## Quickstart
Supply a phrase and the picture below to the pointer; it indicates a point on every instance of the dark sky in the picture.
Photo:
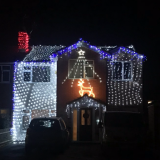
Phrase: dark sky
(98, 22)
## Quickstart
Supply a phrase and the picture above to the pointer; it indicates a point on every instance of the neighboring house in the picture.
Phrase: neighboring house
(6, 94)
(154, 121)
(77, 83)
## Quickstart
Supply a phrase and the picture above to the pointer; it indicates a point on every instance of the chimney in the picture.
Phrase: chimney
(23, 42)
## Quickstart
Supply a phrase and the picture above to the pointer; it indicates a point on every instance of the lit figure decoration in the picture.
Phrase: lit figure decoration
(85, 89)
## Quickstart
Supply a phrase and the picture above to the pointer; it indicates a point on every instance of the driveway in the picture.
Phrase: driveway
(74, 152)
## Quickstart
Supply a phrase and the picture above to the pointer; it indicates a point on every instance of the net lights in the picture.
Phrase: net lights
(23, 41)
(125, 82)
(33, 97)
(42, 53)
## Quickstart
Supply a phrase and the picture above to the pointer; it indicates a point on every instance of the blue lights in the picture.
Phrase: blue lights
(82, 43)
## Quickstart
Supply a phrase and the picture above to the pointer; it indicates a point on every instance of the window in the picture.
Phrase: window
(5, 74)
(37, 74)
(122, 71)
(81, 69)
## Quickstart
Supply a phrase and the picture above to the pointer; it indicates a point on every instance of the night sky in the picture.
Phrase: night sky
(98, 22)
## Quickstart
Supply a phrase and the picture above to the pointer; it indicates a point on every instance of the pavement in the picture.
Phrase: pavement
(74, 152)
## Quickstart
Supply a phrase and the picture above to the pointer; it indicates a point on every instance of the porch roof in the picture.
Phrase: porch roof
(85, 101)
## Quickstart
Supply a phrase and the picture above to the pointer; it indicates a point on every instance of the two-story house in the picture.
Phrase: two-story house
(77, 83)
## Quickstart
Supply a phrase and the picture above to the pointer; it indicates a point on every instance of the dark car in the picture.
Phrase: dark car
(47, 133)
(124, 130)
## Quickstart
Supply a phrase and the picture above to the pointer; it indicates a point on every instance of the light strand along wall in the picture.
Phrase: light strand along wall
(33, 99)
(125, 92)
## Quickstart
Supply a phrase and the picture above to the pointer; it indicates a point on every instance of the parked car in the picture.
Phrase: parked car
(47, 133)
(124, 130)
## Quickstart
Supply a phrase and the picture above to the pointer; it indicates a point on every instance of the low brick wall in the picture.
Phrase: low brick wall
(5, 135)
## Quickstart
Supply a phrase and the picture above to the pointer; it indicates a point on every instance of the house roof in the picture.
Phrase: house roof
(85, 101)
(41, 53)
(85, 44)
(127, 50)
(84, 98)
(46, 53)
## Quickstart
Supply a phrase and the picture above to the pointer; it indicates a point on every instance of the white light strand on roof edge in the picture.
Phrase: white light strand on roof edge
(32, 99)
(86, 102)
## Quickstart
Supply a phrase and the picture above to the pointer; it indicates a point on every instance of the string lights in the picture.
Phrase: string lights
(124, 80)
(42, 53)
(35, 94)
(35, 81)
(23, 41)
(83, 89)
(80, 66)
(85, 101)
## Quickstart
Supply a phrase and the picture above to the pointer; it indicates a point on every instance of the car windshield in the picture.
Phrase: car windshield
(129, 120)
(45, 123)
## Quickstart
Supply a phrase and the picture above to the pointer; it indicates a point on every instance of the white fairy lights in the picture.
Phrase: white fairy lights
(85, 101)
(33, 97)
(41, 53)
(126, 89)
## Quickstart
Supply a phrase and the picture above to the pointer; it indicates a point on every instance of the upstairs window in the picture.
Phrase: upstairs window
(122, 71)
(4, 74)
(81, 69)
(36, 74)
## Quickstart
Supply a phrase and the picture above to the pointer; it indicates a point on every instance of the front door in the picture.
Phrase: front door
(85, 130)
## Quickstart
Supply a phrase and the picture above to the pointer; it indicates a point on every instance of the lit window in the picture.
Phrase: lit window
(5, 74)
(122, 71)
(36, 74)
(81, 69)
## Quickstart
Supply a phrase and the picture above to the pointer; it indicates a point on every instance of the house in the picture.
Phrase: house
(77, 83)
(8, 56)
(6, 87)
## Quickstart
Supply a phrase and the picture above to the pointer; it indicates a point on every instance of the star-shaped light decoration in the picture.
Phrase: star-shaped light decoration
(81, 52)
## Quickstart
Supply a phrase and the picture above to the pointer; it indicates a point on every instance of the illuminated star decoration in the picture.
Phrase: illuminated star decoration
(81, 54)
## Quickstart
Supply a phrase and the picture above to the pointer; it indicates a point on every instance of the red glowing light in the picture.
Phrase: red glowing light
(23, 41)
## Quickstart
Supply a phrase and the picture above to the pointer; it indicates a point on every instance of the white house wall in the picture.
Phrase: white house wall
(32, 99)
(125, 92)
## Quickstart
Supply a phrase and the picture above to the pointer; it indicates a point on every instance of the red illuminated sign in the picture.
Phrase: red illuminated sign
(23, 41)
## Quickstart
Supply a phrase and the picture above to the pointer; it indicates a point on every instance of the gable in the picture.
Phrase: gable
(125, 54)
(84, 44)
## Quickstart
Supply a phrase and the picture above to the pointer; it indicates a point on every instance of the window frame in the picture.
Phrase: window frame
(5, 70)
(31, 72)
(84, 66)
(122, 71)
